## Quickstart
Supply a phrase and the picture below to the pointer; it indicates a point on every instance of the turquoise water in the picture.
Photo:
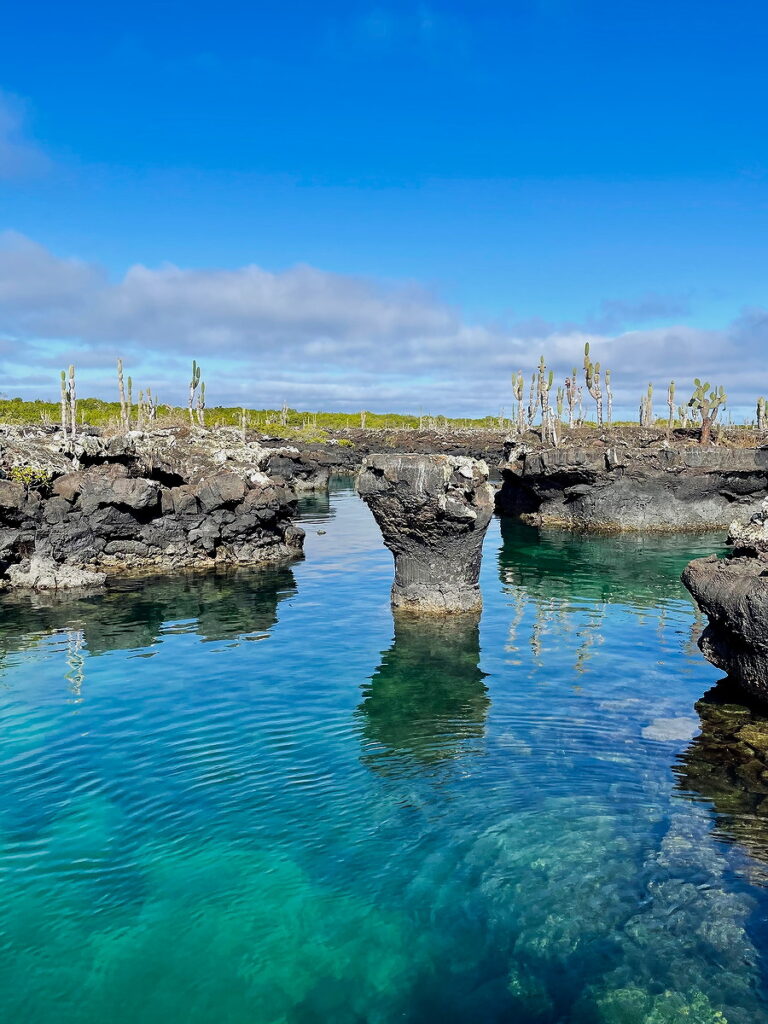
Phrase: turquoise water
(255, 798)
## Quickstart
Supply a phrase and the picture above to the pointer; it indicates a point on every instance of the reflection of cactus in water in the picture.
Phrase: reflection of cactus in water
(75, 662)
(426, 703)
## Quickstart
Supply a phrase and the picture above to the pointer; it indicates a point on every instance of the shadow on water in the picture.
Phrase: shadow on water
(427, 702)
(135, 613)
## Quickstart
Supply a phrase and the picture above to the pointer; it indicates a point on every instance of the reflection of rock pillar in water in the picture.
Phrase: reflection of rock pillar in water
(433, 511)
(427, 701)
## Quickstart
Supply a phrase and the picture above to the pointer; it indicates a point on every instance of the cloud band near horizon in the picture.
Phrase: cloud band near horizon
(322, 340)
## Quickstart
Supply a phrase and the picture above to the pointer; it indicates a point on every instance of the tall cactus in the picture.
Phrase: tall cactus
(571, 388)
(533, 400)
(647, 418)
(707, 406)
(193, 385)
(761, 413)
(64, 402)
(72, 402)
(671, 404)
(201, 405)
(592, 378)
(544, 384)
(560, 400)
(518, 390)
(125, 422)
(609, 396)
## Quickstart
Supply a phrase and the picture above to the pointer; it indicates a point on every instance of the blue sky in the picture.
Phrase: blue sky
(391, 205)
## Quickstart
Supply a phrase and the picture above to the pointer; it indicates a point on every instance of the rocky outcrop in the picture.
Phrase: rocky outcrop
(621, 488)
(433, 511)
(171, 455)
(733, 593)
(39, 573)
(161, 507)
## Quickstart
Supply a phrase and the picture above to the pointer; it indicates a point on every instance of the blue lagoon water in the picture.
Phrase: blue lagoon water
(254, 797)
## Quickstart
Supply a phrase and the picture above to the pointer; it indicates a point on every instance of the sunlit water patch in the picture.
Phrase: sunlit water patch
(254, 797)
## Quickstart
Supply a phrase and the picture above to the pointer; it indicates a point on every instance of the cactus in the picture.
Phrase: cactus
(193, 385)
(609, 395)
(560, 400)
(647, 417)
(682, 415)
(592, 379)
(761, 413)
(243, 424)
(533, 400)
(544, 384)
(707, 406)
(72, 403)
(201, 405)
(125, 421)
(64, 403)
(362, 419)
(518, 390)
(671, 404)
(549, 425)
(570, 391)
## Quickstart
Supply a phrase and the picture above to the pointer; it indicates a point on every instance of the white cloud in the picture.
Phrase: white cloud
(18, 156)
(328, 340)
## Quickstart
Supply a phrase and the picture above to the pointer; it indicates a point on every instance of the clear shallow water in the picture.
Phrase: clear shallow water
(253, 798)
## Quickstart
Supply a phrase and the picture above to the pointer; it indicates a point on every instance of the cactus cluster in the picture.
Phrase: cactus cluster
(707, 404)
(592, 378)
(647, 418)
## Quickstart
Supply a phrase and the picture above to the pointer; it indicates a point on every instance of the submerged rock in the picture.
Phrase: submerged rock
(433, 511)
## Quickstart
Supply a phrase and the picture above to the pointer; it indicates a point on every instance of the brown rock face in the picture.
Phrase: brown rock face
(433, 511)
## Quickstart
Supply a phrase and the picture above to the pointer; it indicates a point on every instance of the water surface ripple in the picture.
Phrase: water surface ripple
(255, 797)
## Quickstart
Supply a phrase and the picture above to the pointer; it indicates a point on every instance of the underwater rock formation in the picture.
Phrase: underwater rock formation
(727, 763)
(141, 506)
(433, 511)
(621, 488)
(733, 593)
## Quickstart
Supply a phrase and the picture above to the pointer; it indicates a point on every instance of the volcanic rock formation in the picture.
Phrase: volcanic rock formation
(733, 592)
(138, 502)
(621, 488)
(433, 511)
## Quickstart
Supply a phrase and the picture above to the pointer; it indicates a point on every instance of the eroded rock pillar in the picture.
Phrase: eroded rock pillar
(433, 511)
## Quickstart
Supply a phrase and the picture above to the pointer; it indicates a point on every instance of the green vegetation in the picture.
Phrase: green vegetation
(30, 477)
(98, 413)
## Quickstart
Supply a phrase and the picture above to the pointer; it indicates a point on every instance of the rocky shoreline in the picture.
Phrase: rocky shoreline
(733, 593)
(73, 513)
(613, 480)
(619, 488)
